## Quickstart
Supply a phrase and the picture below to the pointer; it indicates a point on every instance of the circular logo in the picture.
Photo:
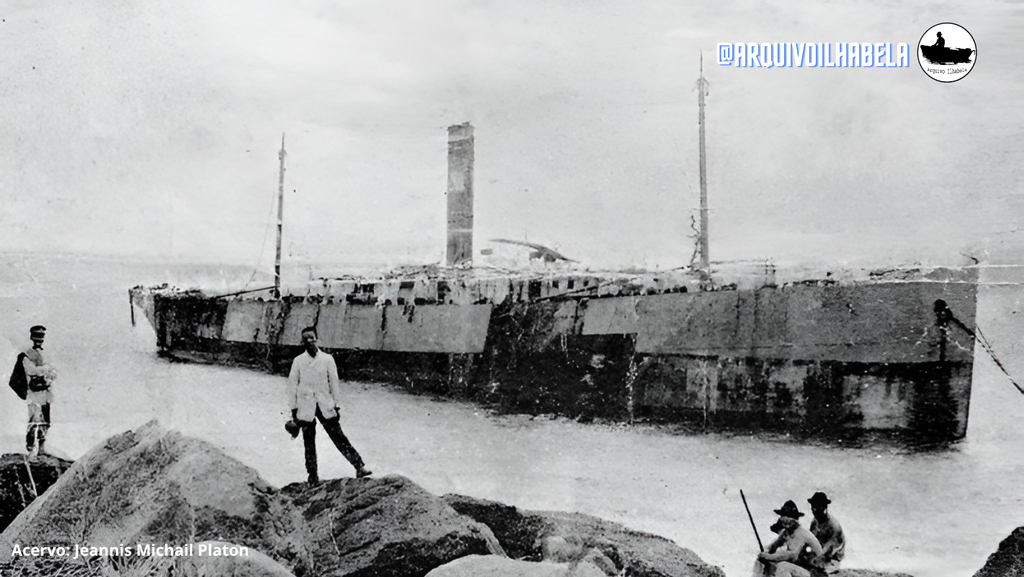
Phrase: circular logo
(947, 52)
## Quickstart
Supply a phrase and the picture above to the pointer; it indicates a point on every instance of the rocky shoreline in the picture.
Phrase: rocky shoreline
(153, 487)
(22, 480)
(1008, 559)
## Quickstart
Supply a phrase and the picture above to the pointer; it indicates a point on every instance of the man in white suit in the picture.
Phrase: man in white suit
(314, 391)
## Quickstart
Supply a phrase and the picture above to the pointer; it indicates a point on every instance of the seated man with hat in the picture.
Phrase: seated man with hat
(795, 553)
(828, 531)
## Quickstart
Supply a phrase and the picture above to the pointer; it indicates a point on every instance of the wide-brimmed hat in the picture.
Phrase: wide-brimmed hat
(819, 498)
(789, 510)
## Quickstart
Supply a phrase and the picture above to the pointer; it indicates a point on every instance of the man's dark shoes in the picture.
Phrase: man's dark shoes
(313, 481)
(363, 472)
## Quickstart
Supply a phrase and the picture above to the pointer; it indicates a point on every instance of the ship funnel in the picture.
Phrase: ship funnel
(460, 194)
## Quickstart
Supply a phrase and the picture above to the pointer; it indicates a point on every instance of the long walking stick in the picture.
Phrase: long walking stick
(751, 517)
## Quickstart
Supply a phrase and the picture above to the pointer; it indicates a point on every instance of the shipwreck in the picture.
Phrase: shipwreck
(843, 355)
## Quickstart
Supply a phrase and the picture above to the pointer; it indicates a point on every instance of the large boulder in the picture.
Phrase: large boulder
(1008, 560)
(573, 537)
(492, 566)
(382, 526)
(149, 486)
(154, 486)
(23, 479)
(251, 563)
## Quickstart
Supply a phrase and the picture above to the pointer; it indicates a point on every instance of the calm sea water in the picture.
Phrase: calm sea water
(929, 514)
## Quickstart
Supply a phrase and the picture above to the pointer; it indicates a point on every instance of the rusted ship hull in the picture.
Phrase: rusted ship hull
(818, 360)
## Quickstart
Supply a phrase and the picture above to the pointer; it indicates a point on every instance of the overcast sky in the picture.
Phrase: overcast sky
(151, 128)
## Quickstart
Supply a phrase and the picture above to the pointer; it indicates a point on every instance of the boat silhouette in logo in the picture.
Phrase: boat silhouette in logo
(938, 53)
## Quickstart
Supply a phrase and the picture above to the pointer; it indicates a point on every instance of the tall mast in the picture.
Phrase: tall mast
(705, 258)
(280, 222)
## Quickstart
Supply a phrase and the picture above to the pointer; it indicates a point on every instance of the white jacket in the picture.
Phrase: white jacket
(312, 383)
